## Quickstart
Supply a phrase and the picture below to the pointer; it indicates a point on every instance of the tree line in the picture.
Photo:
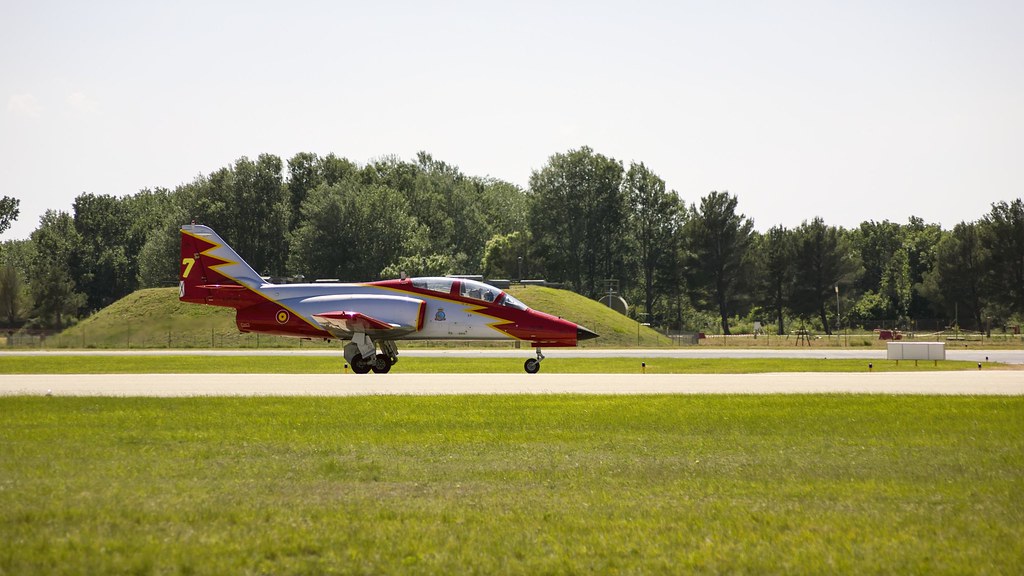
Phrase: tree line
(585, 218)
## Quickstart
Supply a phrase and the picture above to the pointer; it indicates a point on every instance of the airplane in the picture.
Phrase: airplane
(366, 316)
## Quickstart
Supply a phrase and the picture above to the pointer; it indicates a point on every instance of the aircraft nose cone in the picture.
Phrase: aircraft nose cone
(584, 334)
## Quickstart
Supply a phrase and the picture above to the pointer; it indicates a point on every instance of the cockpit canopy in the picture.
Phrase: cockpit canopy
(469, 289)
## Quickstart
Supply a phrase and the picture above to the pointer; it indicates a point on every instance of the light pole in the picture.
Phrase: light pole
(837, 313)
(638, 332)
(638, 325)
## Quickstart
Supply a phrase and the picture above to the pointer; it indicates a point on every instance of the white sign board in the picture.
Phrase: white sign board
(916, 351)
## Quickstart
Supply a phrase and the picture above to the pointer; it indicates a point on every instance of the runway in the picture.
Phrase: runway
(989, 382)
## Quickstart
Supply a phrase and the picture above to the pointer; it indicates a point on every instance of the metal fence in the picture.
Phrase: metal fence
(155, 339)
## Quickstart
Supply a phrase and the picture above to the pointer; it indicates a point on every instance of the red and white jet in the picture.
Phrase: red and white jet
(365, 315)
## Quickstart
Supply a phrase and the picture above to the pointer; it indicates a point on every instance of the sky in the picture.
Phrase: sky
(848, 111)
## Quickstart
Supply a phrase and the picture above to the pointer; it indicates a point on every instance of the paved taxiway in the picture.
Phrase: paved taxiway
(982, 382)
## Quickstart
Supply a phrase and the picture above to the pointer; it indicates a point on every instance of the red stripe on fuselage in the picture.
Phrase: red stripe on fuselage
(529, 325)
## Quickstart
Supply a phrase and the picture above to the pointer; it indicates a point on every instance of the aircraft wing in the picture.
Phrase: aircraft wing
(345, 323)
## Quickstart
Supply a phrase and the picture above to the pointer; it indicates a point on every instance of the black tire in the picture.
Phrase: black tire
(382, 365)
(532, 366)
(360, 366)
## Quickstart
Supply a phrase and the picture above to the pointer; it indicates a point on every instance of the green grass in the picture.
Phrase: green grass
(512, 485)
(173, 364)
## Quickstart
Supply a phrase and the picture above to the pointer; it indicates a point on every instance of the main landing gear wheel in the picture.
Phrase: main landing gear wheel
(382, 365)
(361, 355)
(361, 365)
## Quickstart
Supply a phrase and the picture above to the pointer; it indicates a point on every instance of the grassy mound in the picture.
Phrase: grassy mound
(155, 318)
(616, 330)
(152, 318)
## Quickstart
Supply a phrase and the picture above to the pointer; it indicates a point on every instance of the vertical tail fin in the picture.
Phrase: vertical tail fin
(212, 273)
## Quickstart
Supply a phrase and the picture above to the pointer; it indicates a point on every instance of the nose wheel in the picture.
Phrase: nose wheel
(532, 366)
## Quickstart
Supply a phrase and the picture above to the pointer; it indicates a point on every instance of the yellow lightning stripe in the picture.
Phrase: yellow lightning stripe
(214, 246)
(256, 291)
(494, 325)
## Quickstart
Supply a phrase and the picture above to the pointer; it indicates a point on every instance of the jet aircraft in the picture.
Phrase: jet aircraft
(366, 316)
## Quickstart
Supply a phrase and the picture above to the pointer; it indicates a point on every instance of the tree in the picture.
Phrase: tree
(824, 259)
(886, 277)
(504, 206)
(207, 200)
(260, 211)
(425, 185)
(158, 260)
(578, 218)
(249, 207)
(333, 169)
(672, 278)
(718, 239)
(957, 279)
(101, 264)
(868, 307)
(8, 212)
(53, 288)
(328, 245)
(774, 255)
(919, 242)
(507, 256)
(655, 218)
(1002, 237)
(303, 175)
(156, 217)
(423, 265)
(876, 242)
(306, 171)
(15, 256)
(453, 207)
(10, 295)
(895, 260)
(460, 213)
(896, 288)
(320, 245)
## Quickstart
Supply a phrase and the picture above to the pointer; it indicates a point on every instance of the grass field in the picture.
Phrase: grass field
(185, 363)
(512, 485)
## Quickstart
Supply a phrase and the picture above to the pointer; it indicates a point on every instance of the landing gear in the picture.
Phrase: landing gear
(532, 366)
(361, 354)
(360, 365)
(390, 350)
(382, 365)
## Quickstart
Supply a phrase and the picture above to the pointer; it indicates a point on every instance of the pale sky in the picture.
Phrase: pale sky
(850, 111)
